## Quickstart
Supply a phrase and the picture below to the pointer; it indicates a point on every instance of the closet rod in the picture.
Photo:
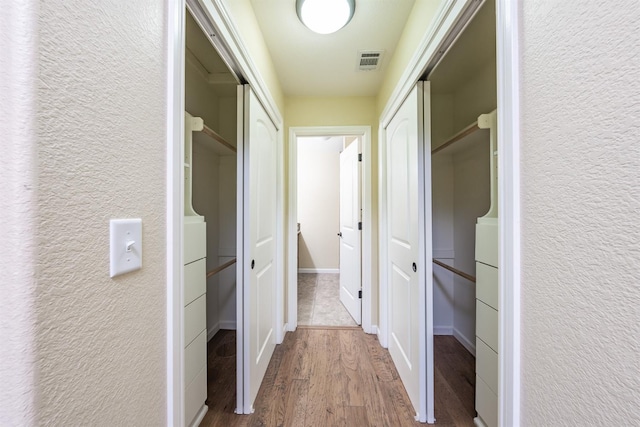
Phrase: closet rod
(455, 270)
(457, 137)
(207, 130)
(219, 268)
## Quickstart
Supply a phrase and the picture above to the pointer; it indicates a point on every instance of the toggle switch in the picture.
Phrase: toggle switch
(125, 245)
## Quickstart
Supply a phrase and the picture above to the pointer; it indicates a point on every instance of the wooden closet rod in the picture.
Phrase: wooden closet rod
(219, 268)
(455, 270)
(457, 137)
(207, 130)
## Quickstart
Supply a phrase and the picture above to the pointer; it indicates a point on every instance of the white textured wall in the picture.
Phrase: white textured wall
(580, 213)
(96, 345)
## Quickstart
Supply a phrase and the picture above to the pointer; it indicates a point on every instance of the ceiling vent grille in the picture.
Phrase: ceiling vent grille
(369, 60)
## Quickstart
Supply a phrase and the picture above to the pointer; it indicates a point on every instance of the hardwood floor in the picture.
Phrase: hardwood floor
(337, 377)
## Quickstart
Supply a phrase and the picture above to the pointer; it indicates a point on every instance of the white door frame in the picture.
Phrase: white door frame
(507, 50)
(368, 250)
(219, 19)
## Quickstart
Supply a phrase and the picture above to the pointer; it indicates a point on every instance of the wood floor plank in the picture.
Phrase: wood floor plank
(336, 377)
(350, 368)
(296, 403)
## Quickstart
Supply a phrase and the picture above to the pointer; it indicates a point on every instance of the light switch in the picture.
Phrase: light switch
(126, 245)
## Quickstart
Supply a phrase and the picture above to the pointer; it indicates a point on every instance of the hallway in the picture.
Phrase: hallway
(337, 377)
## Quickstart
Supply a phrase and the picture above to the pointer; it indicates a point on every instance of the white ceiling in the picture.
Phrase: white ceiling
(309, 64)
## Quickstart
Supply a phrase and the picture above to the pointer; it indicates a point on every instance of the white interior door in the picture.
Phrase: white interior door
(259, 257)
(409, 257)
(350, 247)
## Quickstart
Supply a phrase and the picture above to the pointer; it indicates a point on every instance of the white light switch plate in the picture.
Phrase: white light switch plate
(126, 245)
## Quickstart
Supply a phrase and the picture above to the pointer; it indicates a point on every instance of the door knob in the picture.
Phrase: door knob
(253, 263)
(414, 267)
(340, 234)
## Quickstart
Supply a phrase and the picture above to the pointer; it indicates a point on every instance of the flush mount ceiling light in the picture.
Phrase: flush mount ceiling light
(325, 16)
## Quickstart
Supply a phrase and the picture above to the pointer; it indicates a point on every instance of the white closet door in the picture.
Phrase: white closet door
(409, 270)
(350, 264)
(259, 257)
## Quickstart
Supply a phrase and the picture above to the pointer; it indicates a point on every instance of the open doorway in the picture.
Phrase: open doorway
(319, 287)
(328, 185)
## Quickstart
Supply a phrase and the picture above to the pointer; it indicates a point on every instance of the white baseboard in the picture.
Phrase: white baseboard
(228, 325)
(373, 330)
(319, 270)
(478, 422)
(443, 330)
(469, 345)
(212, 331)
(200, 416)
(382, 342)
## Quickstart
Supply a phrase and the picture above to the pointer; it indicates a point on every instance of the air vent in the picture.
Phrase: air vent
(369, 60)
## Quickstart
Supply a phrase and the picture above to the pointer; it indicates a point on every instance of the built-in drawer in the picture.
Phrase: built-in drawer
(195, 240)
(195, 394)
(487, 324)
(487, 365)
(195, 319)
(487, 242)
(195, 357)
(487, 284)
(486, 403)
(195, 280)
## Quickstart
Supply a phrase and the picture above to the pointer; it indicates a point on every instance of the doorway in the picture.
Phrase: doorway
(313, 272)
(329, 255)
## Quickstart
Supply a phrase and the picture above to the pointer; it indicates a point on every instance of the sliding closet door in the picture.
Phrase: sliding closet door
(259, 244)
(409, 250)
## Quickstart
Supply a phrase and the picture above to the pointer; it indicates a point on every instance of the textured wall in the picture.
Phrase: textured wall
(100, 342)
(580, 213)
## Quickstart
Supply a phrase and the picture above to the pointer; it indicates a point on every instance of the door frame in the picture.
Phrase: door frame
(368, 231)
(450, 17)
(218, 20)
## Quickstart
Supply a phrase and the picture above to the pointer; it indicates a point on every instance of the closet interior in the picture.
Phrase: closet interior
(464, 203)
(210, 211)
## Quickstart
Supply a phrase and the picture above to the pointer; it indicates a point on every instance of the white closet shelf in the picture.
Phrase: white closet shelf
(466, 137)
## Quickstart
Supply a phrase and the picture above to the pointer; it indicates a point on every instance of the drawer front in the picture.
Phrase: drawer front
(486, 403)
(195, 357)
(487, 244)
(195, 395)
(487, 284)
(195, 319)
(195, 280)
(195, 241)
(487, 324)
(487, 365)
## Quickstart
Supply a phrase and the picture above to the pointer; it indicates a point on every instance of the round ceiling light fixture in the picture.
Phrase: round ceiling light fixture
(325, 16)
